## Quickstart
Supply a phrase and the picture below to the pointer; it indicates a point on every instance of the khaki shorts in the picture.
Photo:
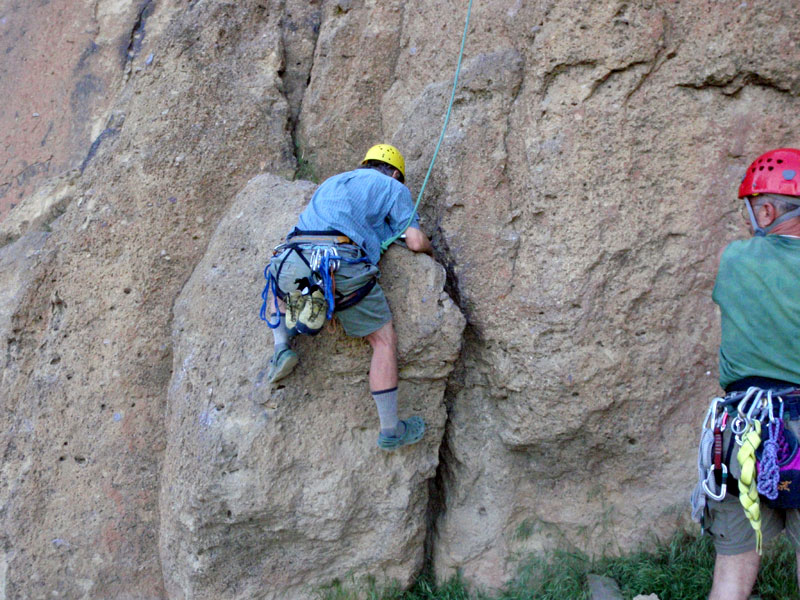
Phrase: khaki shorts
(727, 523)
(366, 317)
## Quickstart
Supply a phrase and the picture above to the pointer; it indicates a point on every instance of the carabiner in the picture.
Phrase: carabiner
(738, 426)
(756, 405)
(711, 415)
(769, 402)
(743, 402)
(723, 488)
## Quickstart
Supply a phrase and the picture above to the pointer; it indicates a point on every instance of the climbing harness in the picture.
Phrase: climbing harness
(324, 261)
(386, 243)
(767, 456)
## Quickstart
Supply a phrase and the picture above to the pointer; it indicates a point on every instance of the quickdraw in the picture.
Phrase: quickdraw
(713, 426)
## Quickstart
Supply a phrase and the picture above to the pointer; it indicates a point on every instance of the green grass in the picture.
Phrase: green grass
(679, 569)
(305, 167)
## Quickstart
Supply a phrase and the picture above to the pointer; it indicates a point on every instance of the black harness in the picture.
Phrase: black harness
(295, 242)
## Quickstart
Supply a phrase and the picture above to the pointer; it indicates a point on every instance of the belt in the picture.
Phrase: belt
(765, 383)
(318, 237)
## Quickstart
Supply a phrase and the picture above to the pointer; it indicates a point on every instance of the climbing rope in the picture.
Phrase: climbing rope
(386, 243)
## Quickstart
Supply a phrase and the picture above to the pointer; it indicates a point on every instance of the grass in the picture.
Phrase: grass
(305, 167)
(678, 569)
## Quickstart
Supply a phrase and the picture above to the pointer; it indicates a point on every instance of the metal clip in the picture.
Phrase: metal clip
(723, 488)
(333, 255)
(711, 415)
(740, 408)
(757, 405)
(769, 402)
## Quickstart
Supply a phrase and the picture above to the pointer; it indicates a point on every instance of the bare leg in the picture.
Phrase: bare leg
(734, 576)
(383, 367)
(797, 554)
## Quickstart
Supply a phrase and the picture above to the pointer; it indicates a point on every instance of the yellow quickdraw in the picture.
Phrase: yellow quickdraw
(748, 491)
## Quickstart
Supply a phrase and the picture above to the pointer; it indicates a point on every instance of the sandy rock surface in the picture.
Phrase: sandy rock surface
(583, 191)
(84, 433)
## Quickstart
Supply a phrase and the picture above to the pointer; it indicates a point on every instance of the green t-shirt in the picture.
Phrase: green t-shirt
(758, 293)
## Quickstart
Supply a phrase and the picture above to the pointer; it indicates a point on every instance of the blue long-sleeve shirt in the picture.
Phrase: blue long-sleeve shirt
(365, 205)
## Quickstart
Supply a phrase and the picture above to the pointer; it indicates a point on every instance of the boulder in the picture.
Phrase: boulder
(272, 491)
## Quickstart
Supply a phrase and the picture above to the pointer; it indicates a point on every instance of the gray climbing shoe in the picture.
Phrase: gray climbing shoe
(413, 432)
(281, 364)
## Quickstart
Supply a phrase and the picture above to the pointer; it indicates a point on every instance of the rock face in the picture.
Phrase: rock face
(89, 351)
(582, 193)
(270, 492)
(63, 63)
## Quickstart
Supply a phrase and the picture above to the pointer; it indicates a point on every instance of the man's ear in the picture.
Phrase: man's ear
(396, 174)
(766, 214)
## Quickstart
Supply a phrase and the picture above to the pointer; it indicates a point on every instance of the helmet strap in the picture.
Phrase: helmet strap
(758, 231)
(785, 217)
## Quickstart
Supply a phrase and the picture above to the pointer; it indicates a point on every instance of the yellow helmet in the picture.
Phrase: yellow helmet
(388, 154)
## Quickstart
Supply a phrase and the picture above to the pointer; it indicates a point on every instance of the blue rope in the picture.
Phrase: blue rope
(386, 243)
(327, 281)
(271, 286)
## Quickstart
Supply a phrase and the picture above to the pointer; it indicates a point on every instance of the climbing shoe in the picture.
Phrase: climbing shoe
(294, 305)
(312, 316)
(412, 433)
(281, 364)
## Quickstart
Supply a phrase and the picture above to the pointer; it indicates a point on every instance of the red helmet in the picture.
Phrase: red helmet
(774, 172)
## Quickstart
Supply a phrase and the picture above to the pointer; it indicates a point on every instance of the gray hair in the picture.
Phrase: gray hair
(782, 204)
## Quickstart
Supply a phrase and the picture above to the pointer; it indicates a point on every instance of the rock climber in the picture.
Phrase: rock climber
(758, 293)
(349, 215)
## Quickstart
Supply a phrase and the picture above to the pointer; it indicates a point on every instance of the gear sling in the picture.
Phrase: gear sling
(325, 260)
(767, 453)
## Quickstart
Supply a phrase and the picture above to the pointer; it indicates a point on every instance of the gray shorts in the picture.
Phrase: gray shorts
(728, 525)
(369, 315)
